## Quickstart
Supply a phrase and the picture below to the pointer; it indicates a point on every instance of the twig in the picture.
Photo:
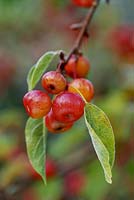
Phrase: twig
(84, 26)
(108, 1)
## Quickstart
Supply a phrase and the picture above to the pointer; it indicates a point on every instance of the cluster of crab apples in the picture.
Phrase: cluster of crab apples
(66, 105)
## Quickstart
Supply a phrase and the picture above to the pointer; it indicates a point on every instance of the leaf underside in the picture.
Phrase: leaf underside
(35, 135)
(102, 137)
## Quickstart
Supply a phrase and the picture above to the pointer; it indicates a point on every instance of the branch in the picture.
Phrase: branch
(84, 26)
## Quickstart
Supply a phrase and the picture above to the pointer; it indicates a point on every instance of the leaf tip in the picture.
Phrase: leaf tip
(44, 180)
(109, 180)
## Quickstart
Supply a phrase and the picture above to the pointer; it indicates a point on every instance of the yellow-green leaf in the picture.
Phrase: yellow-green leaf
(102, 137)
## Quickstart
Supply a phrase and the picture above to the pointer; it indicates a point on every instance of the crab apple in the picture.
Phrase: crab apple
(74, 183)
(77, 67)
(37, 103)
(68, 107)
(84, 3)
(51, 168)
(55, 126)
(122, 41)
(54, 82)
(85, 87)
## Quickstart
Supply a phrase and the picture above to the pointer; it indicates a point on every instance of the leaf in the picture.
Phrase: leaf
(102, 137)
(36, 144)
(29, 77)
(39, 68)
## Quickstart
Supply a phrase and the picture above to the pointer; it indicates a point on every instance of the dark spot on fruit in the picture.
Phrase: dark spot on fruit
(59, 128)
(68, 116)
(52, 87)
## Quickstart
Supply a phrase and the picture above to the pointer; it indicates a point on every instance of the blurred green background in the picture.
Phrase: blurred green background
(29, 28)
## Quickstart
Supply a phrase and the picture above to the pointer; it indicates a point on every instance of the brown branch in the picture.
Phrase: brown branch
(108, 1)
(84, 27)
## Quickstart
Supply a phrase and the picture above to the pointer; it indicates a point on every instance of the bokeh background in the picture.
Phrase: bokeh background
(29, 28)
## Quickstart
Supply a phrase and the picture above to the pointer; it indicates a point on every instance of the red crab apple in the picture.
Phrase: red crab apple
(84, 3)
(121, 40)
(84, 86)
(54, 82)
(37, 103)
(77, 67)
(68, 107)
(55, 126)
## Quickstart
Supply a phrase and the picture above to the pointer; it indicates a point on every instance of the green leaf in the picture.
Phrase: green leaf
(29, 76)
(102, 137)
(39, 68)
(36, 145)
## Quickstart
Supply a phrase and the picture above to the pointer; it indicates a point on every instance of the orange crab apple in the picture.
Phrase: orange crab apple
(77, 67)
(54, 82)
(85, 87)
